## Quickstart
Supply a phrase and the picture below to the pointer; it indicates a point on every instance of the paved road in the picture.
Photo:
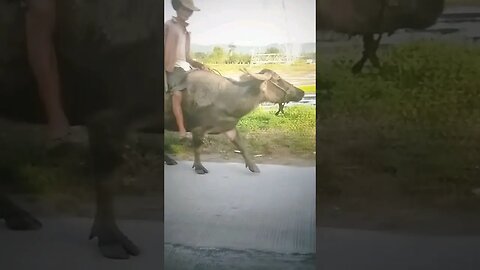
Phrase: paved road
(234, 219)
(344, 249)
(227, 219)
(63, 243)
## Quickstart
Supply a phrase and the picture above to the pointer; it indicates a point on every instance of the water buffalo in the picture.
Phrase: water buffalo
(214, 104)
(370, 17)
(110, 55)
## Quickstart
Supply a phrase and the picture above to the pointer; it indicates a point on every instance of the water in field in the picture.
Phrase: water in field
(456, 23)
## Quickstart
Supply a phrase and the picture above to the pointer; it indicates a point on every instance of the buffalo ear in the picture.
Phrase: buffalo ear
(258, 76)
(274, 75)
(261, 77)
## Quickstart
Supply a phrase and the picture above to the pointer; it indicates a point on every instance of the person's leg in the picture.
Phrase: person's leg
(178, 113)
(40, 25)
(174, 80)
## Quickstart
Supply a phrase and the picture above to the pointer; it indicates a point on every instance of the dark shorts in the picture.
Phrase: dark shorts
(174, 78)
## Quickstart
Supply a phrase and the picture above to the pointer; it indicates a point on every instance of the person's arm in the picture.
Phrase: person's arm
(195, 64)
(170, 45)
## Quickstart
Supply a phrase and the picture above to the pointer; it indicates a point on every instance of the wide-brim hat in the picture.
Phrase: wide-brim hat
(189, 4)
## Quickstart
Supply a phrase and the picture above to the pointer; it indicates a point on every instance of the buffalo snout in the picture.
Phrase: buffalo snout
(298, 94)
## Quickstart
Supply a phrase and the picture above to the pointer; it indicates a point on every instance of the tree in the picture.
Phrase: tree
(234, 58)
(232, 49)
(200, 56)
(272, 50)
(245, 59)
(217, 56)
(310, 55)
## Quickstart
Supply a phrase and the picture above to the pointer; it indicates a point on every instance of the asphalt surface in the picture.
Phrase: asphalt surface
(63, 243)
(231, 218)
(227, 219)
(234, 219)
(345, 249)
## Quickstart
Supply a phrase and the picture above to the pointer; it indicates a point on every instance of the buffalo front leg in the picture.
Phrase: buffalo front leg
(197, 141)
(357, 68)
(236, 139)
(281, 105)
(106, 134)
(15, 217)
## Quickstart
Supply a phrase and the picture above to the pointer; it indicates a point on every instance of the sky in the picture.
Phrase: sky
(250, 22)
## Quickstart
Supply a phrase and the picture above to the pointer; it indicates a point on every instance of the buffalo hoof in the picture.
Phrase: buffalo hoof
(113, 243)
(170, 161)
(199, 169)
(21, 220)
(253, 168)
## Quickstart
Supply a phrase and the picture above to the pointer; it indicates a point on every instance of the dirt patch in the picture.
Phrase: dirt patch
(277, 158)
(363, 194)
(371, 202)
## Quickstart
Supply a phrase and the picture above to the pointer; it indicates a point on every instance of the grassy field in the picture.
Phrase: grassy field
(462, 2)
(295, 69)
(66, 176)
(308, 88)
(284, 136)
(413, 127)
(292, 68)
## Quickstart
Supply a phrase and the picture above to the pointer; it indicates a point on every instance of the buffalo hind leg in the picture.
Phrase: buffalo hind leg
(15, 217)
(198, 135)
(370, 46)
(236, 139)
(106, 134)
(372, 56)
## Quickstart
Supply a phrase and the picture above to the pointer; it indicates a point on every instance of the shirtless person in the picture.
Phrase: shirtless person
(177, 56)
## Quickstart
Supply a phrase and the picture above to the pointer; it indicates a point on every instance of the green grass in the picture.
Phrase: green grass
(417, 118)
(235, 68)
(462, 2)
(295, 130)
(291, 134)
(308, 88)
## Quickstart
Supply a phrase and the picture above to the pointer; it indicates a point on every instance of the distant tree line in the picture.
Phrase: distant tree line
(221, 56)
